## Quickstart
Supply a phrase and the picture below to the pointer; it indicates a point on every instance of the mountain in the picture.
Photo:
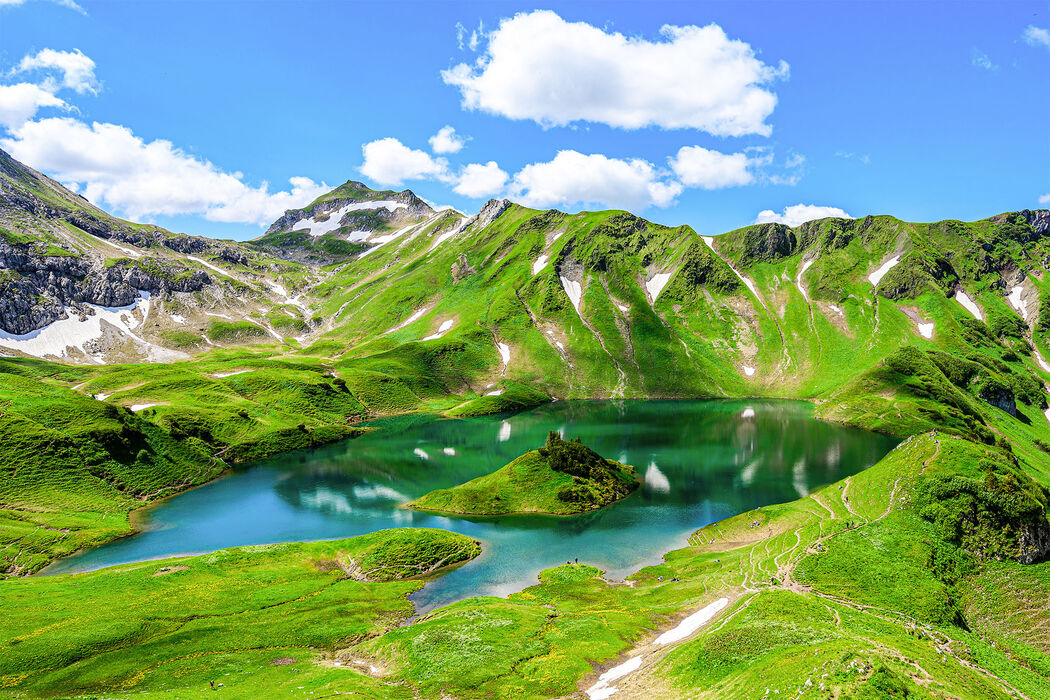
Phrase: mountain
(923, 575)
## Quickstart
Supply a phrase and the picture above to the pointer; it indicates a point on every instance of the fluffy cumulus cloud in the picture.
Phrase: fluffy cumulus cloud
(1037, 36)
(446, 140)
(479, 180)
(112, 166)
(49, 71)
(61, 69)
(575, 178)
(538, 66)
(390, 162)
(1045, 199)
(799, 214)
(20, 102)
(696, 166)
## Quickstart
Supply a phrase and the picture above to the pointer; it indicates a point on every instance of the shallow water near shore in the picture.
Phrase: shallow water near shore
(699, 461)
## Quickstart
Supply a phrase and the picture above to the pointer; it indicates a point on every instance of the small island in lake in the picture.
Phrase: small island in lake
(560, 478)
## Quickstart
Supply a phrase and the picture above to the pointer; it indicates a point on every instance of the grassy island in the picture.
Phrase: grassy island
(560, 478)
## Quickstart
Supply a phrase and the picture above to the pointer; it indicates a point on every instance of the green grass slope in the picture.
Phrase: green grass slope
(560, 478)
(269, 615)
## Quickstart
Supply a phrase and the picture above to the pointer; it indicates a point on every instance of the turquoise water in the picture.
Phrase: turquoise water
(701, 461)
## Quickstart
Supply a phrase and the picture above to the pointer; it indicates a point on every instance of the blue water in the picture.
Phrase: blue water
(701, 461)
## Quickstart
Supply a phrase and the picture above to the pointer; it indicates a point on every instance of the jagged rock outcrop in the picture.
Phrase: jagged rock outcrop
(35, 289)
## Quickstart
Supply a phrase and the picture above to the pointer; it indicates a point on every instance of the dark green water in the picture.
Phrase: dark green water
(701, 461)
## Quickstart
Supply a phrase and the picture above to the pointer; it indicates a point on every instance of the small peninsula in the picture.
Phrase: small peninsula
(560, 478)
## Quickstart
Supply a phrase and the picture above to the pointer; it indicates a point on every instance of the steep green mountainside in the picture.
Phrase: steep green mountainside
(919, 577)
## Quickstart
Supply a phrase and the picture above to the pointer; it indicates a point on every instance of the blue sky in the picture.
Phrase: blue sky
(198, 116)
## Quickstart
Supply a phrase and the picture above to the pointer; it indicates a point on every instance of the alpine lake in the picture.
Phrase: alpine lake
(699, 462)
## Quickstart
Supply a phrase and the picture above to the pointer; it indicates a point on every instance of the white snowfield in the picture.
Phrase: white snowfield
(604, 688)
(749, 371)
(319, 228)
(421, 453)
(692, 623)
(142, 406)
(837, 310)
(504, 353)
(926, 330)
(876, 277)
(449, 451)
(211, 267)
(222, 375)
(448, 234)
(177, 318)
(442, 330)
(411, 319)
(54, 340)
(657, 284)
(968, 304)
(541, 262)
(1015, 301)
(574, 290)
(1042, 362)
(497, 392)
(798, 280)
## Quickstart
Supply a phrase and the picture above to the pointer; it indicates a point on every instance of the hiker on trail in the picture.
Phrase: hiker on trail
(577, 560)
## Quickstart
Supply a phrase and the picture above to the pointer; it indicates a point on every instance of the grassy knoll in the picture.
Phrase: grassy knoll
(267, 616)
(560, 478)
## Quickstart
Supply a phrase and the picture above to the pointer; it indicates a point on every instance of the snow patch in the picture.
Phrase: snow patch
(657, 284)
(421, 453)
(449, 451)
(1041, 361)
(411, 319)
(798, 280)
(136, 407)
(749, 371)
(442, 330)
(926, 330)
(1015, 301)
(448, 234)
(574, 290)
(319, 228)
(504, 353)
(56, 338)
(211, 267)
(208, 313)
(602, 690)
(177, 318)
(837, 310)
(541, 262)
(876, 277)
(623, 308)
(692, 623)
(497, 392)
(221, 375)
(968, 304)
(747, 283)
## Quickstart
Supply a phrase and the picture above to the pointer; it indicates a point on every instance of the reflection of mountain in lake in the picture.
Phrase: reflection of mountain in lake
(699, 461)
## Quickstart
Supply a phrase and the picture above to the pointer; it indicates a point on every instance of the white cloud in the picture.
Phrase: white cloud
(112, 166)
(862, 157)
(74, 70)
(19, 103)
(446, 140)
(538, 66)
(1045, 199)
(799, 214)
(980, 60)
(1037, 36)
(696, 166)
(390, 162)
(64, 3)
(477, 180)
(573, 178)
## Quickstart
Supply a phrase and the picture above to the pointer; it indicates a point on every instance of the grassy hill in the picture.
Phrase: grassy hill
(560, 478)
(919, 577)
